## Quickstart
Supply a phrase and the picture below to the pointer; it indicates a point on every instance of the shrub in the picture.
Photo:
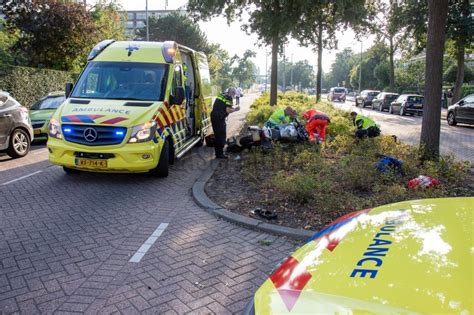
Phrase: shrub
(340, 175)
(27, 85)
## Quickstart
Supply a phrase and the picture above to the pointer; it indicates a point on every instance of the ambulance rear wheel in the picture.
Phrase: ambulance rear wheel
(162, 168)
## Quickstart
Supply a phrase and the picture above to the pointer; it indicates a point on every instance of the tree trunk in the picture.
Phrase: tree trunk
(459, 74)
(274, 72)
(319, 74)
(392, 66)
(430, 127)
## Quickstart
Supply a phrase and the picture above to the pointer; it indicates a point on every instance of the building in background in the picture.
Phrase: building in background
(136, 19)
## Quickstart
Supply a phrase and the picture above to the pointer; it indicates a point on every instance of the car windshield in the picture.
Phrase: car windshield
(339, 90)
(415, 99)
(122, 81)
(391, 97)
(50, 102)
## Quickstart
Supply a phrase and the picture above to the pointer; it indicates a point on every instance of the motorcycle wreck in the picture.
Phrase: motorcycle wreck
(264, 137)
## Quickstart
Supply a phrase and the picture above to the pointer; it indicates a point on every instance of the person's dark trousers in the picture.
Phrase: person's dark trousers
(220, 133)
(373, 132)
(361, 133)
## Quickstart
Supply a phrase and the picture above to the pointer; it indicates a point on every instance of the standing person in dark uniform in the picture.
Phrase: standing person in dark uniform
(221, 109)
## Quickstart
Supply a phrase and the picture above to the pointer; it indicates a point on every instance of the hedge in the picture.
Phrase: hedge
(27, 85)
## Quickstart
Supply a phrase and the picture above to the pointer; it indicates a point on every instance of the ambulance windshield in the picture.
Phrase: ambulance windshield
(122, 81)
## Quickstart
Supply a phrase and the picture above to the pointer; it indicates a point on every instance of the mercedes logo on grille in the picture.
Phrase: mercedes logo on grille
(90, 134)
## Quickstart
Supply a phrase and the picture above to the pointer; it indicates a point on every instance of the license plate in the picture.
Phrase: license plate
(91, 163)
(37, 131)
(418, 105)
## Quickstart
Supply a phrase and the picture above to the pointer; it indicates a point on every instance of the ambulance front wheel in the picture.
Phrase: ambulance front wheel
(161, 169)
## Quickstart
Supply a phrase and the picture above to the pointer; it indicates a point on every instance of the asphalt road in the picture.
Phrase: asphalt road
(457, 140)
(102, 243)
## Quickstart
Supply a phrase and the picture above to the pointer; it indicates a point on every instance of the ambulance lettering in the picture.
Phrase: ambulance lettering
(373, 256)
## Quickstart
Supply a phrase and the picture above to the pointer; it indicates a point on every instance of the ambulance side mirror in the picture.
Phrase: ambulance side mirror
(178, 96)
(69, 87)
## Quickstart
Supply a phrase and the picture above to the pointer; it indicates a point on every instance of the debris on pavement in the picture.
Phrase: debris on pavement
(265, 242)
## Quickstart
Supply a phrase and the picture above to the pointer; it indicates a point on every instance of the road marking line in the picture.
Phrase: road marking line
(148, 243)
(20, 178)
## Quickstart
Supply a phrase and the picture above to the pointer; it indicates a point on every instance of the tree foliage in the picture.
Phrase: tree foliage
(302, 72)
(321, 19)
(244, 71)
(271, 20)
(179, 28)
(59, 35)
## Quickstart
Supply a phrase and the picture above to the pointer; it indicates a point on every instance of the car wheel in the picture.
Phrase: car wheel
(402, 111)
(162, 169)
(451, 119)
(19, 145)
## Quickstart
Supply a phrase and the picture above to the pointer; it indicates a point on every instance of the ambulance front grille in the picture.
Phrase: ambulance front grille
(93, 135)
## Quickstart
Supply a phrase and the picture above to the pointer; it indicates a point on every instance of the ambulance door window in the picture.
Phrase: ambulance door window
(177, 79)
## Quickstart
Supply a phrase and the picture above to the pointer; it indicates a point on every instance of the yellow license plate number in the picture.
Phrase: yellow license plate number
(37, 131)
(91, 163)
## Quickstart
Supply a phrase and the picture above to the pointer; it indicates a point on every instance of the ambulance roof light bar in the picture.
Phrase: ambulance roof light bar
(98, 48)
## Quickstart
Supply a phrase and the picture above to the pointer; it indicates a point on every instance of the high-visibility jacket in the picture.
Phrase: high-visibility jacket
(278, 117)
(364, 122)
(219, 109)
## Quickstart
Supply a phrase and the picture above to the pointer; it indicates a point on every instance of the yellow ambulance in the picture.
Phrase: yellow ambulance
(411, 257)
(135, 108)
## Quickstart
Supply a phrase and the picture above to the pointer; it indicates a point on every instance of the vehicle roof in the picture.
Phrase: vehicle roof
(411, 95)
(389, 93)
(371, 91)
(417, 256)
(141, 51)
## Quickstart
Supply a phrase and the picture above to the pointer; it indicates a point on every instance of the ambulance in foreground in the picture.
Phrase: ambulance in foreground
(135, 108)
(413, 257)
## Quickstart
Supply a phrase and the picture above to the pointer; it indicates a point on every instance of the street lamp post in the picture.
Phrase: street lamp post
(146, 18)
(291, 72)
(266, 69)
(284, 69)
(360, 66)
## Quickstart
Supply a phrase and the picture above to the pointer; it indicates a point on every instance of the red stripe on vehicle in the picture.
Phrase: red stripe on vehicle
(114, 120)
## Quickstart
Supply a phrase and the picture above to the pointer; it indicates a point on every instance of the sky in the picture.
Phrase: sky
(236, 41)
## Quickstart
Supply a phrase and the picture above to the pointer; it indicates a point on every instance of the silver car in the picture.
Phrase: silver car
(16, 132)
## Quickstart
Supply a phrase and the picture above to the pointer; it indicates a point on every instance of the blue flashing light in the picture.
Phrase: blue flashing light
(119, 133)
(98, 48)
(67, 130)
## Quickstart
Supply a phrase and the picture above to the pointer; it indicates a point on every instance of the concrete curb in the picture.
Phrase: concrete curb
(201, 198)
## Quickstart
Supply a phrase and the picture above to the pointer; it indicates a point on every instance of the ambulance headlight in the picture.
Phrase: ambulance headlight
(55, 129)
(143, 133)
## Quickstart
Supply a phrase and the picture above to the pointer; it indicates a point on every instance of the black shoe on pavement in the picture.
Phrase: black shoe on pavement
(223, 156)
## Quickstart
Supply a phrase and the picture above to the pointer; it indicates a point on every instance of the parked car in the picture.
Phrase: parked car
(407, 257)
(337, 94)
(351, 96)
(42, 111)
(383, 100)
(407, 104)
(16, 132)
(365, 98)
(462, 111)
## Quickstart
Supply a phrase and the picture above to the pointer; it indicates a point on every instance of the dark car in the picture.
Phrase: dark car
(337, 94)
(365, 98)
(383, 100)
(462, 111)
(16, 132)
(407, 104)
